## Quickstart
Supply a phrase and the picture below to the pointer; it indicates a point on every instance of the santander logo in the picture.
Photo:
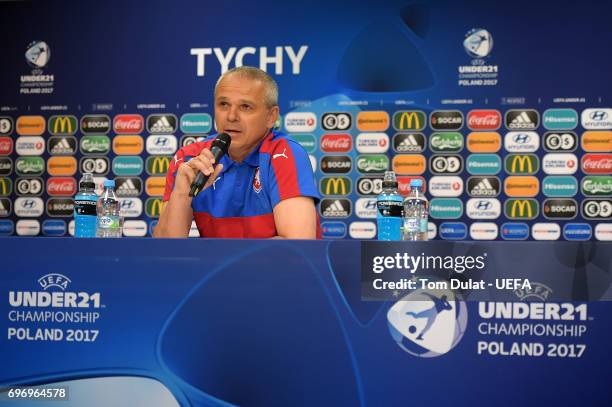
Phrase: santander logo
(128, 124)
(336, 143)
(484, 119)
(61, 186)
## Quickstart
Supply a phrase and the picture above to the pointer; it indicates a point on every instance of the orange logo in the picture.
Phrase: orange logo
(519, 186)
(484, 142)
(409, 164)
(62, 166)
(373, 121)
(128, 145)
(597, 141)
(155, 186)
(30, 125)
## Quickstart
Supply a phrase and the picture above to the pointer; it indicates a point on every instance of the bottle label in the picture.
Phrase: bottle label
(390, 208)
(423, 226)
(85, 207)
(412, 225)
(108, 222)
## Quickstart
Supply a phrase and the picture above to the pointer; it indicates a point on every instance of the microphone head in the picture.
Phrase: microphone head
(222, 142)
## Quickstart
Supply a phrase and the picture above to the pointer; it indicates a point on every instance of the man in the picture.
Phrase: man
(263, 188)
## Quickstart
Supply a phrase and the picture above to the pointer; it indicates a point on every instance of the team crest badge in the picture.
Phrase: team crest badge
(257, 182)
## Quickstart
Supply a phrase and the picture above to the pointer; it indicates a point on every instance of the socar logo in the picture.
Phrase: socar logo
(478, 43)
(428, 325)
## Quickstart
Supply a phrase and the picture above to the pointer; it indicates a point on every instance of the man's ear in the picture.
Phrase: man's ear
(274, 112)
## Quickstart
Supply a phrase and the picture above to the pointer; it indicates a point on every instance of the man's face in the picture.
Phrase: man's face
(242, 112)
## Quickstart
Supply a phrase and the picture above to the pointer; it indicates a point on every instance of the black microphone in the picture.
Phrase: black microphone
(218, 149)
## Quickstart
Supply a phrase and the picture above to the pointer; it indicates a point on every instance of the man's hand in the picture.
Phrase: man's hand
(187, 172)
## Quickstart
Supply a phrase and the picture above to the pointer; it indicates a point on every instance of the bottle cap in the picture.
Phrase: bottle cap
(416, 183)
(109, 183)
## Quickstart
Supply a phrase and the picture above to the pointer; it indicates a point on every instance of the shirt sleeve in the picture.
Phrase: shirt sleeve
(290, 173)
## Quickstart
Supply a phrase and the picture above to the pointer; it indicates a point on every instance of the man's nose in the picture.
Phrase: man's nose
(232, 114)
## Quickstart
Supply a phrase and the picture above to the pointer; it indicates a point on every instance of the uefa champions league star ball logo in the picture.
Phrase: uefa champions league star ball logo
(478, 43)
(427, 324)
(38, 54)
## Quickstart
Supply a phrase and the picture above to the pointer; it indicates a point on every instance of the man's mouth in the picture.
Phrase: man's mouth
(232, 132)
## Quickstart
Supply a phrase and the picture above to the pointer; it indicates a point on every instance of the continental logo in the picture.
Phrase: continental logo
(6, 186)
(597, 141)
(128, 145)
(158, 165)
(30, 125)
(62, 166)
(153, 207)
(522, 164)
(521, 186)
(373, 121)
(63, 125)
(484, 142)
(155, 186)
(521, 209)
(335, 186)
(409, 120)
(409, 164)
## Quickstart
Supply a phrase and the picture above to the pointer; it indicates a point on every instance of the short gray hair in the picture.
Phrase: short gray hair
(250, 72)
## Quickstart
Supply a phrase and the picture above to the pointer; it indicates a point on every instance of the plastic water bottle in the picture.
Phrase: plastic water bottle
(389, 209)
(109, 219)
(416, 211)
(85, 203)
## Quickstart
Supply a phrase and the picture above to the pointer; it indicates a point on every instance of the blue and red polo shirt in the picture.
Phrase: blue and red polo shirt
(239, 203)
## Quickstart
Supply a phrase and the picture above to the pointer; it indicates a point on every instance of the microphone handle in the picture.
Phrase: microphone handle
(201, 179)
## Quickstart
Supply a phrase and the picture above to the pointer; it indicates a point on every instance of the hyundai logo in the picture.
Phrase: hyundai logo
(28, 204)
(371, 204)
(127, 205)
(483, 205)
(161, 141)
(522, 138)
(599, 115)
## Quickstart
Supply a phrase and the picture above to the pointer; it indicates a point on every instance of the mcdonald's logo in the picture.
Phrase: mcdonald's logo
(155, 186)
(62, 125)
(521, 208)
(335, 186)
(158, 165)
(153, 207)
(6, 186)
(522, 164)
(30, 125)
(522, 186)
(409, 120)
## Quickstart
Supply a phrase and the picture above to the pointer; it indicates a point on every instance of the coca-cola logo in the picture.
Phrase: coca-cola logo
(128, 124)
(597, 163)
(61, 186)
(336, 143)
(484, 119)
(6, 145)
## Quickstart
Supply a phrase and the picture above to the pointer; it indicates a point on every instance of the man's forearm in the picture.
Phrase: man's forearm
(175, 219)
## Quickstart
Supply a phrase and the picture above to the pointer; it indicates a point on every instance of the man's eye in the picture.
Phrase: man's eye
(246, 107)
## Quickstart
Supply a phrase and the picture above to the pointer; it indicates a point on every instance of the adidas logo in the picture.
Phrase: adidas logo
(409, 144)
(522, 121)
(162, 125)
(483, 188)
(335, 210)
(61, 147)
(128, 188)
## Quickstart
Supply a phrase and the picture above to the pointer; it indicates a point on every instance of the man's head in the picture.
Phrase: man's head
(246, 107)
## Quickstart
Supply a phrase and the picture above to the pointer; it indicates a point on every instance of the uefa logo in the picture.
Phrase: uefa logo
(478, 43)
(427, 324)
(38, 54)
